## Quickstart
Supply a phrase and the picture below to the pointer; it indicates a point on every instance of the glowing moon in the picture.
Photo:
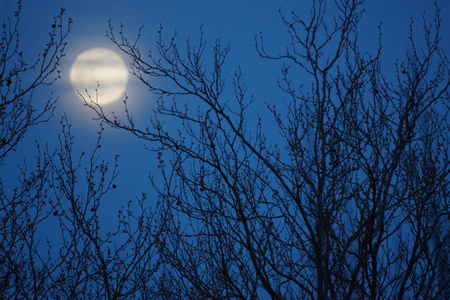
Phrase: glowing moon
(99, 66)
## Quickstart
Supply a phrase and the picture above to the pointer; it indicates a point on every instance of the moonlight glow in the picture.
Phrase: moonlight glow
(99, 66)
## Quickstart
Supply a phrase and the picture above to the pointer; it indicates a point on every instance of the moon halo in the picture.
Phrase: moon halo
(102, 68)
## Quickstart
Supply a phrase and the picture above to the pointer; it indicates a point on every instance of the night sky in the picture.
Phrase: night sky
(234, 21)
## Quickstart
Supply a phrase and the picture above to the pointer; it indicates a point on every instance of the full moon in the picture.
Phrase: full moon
(103, 69)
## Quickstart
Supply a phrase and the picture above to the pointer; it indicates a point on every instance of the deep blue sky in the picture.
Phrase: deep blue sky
(236, 21)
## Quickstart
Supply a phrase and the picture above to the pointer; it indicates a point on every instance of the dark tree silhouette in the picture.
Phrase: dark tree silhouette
(62, 191)
(23, 260)
(19, 109)
(351, 202)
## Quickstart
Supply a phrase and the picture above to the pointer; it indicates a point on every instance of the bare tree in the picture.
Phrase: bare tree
(79, 259)
(95, 262)
(19, 79)
(23, 259)
(350, 203)
(63, 190)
